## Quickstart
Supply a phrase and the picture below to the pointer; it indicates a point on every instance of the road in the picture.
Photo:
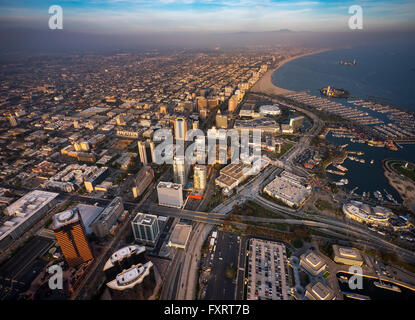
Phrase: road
(196, 216)
(220, 286)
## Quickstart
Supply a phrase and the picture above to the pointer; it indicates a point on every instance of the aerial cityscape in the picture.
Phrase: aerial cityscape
(218, 155)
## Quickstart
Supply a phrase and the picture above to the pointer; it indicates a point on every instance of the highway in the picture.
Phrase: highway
(332, 224)
(196, 216)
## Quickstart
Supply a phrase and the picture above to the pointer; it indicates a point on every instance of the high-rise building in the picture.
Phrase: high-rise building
(213, 102)
(142, 180)
(232, 104)
(146, 151)
(221, 120)
(199, 177)
(201, 102)
(146, 228)
(180, 170)
(70, 233)
(180, 128)
(170, 194)
(108, 217)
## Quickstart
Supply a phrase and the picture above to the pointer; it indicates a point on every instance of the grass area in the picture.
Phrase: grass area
(250, 208)
(217, 198)
(391, 258)
(284, 149)
(409, 171)
(324, 205)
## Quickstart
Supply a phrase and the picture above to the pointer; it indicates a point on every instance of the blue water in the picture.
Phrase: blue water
(369, 177)
(384, 73)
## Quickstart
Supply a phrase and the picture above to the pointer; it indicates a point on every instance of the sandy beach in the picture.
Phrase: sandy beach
(265, 84)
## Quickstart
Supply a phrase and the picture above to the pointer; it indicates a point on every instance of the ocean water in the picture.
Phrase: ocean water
(382, 72)
(386, 74)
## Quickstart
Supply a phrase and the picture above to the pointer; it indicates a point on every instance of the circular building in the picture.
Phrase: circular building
(270, 110)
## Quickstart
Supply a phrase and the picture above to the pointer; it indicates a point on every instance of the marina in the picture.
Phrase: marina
(368, 175)
(374, 289)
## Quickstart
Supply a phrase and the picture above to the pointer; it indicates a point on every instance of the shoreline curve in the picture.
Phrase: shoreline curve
(265, 84)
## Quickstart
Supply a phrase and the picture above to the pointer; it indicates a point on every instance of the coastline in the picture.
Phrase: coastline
(265, 84)
(404, 186)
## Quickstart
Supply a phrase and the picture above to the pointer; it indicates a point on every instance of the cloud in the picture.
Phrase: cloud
(115, 16)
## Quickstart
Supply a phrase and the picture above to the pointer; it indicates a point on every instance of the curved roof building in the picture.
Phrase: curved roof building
(132, 277)
(123, 254)
(272, 110)
(361, 212)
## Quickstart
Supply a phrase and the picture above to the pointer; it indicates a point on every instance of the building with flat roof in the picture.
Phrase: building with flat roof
(199, 177)
(288, 190)
(88, 214)
(108, 217)
(146, 151)
(180, 236)
(264, 124)
(180, 128)
(142, 180)
(349, 256)
(170, 194)
(70, 233)
(96, 178)
(146, 228)
(319, 291)
(180, 170)
(313, 263)
(221, 120)
(232, 175)
(24, 213)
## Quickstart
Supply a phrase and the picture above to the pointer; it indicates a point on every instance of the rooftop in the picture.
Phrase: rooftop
(180, 235)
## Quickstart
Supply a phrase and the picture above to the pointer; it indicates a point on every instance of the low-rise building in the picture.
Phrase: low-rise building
(349, 256)
(180, 236)
(288, 189)
(319, 291)
(313, 263)
(363, 213)
(24, 213)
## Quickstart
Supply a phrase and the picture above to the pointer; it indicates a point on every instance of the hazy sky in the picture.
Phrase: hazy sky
(134, 16)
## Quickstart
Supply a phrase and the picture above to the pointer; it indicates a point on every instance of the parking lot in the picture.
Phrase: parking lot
(268, 277)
